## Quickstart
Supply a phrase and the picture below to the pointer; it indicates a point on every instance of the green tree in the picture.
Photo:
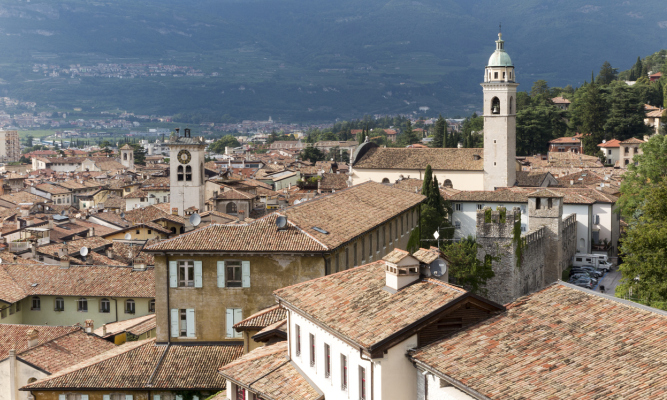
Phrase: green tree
(434, 214)
(637, 69)
(589, 115)
(312, 154)
(28, 141)
(439, 137)
(626, 115)
(540, 93)
(464, 267)
(607, 74)
(409, 136)
(139, 154)
(226, 141)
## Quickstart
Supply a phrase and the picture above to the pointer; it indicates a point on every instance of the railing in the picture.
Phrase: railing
(16, 247)
(43, 241)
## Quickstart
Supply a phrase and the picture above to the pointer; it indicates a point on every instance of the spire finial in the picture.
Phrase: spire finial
(500, 27)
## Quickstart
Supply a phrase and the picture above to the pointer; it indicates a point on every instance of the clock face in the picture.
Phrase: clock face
(184, 156)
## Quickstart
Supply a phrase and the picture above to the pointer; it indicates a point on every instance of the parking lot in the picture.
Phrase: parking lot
(609, 280)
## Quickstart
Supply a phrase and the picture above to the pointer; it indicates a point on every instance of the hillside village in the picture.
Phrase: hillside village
(263, 275)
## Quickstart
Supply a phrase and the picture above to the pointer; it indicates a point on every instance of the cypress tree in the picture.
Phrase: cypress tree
(427, 185)
(439, 139)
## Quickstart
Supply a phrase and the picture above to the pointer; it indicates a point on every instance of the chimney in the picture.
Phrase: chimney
(104, 330)
(90, 327)
(571, 182)
(174, 211)
(64, 262)
(241, 215)
(33, 250)
(51, 223)
(401, 269)
(91, 231)
(33, 337)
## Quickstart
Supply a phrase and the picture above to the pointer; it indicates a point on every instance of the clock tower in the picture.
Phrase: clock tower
(499, 119)
(186, 172)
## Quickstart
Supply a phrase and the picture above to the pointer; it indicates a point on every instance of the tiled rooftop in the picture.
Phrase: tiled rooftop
(267, 372)
(416, 159)
(23, 197)
(133, 364)
(52, 189)
(354, 304)
(562, 342)
(374, 203)
(263, 318)
(13, 336)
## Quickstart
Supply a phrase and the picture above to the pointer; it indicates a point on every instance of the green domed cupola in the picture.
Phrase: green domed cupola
(500, 58)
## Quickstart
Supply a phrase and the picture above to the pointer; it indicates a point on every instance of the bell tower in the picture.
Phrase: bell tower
(186, 172)
(499, 119)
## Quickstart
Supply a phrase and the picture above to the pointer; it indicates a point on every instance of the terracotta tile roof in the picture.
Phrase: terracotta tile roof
(528, 178)
(115, 202)
(66, 351)
(332, 181)
(560, 100)
(438, 159)
(613, 143)
(131, 366)
(561, 342)
(395, 256)
(126, 147)
(14, 336)
(235, 195)
(544, 193)
(52, 280)
(374, 203)
(71, 184)
(363, 311)
(280, 326)
(263, 318)
(429, 255)
(52, 189)
(565, 140)
(497, 196)
(411, 185)
(153, 213)
(654, 114)
(113, 218)
(93, 242)
(267, 372)
(632, 141)
(23, 197)
(110, 165)
(135, 326)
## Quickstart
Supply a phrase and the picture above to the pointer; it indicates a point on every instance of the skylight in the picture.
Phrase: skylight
(320, 230)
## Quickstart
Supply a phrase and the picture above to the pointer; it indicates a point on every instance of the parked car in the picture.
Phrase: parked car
(591, 270)
(583, 275)
(583, 282)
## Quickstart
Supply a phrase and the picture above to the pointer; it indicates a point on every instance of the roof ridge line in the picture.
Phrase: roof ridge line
(262, 312)
(77, 329)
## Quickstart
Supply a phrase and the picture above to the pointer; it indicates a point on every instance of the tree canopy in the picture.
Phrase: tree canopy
(226, 141)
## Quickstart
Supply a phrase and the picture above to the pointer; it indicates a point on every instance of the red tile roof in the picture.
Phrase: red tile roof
(562, 342)
(263, 318)
(632, 141)
(267, 372)
(613, 143)
(354, 304)
(418, 159)
(14, 336)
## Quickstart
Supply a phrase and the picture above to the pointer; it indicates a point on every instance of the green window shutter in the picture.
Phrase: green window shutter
(173, 274)
(238, 317)
(245, 273)
(198, 279)
(174, 322)
(229, 322)
(221, 274)
(190, 320)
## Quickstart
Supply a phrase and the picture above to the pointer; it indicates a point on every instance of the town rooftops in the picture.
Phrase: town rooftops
(354, 306)
(58, 347)
(263, 318)
(22, 197)
(268, 372)
(417, 159)
(562, 342)
(146, 365)
(318, 225)
(543, 193)
(493, 196)
(52, 189)
(135, 326)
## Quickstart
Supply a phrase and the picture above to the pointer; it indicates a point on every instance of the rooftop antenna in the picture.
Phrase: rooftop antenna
(195, 219)
(84, 253)
(281, 222)
(128, 236)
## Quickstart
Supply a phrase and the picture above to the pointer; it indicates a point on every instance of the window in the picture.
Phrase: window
(363, 250)
(179, 173)
(457, 206)
(448, 183)
(495, 75)
(129, 306)
(59, 304)
(384, 236)
(3, 313)
(511, 99)
(549, 202)
(327, 360)
(354, 255)
(362, 383)
(183, 323)
(234, 316)
(396, 228)
(188, 173)
(36, 303)
(401, 219)
(186, 274)
(537, 203)
(370, 246)
(82, 305)
(18, 306)
(138, 229)
(311, 338)
(105, 306)
(297, 333)
(11, 309)
(231, 208)
(480, 206)
(343, 372)
(233, 274)
(391, 237)
(149, 231)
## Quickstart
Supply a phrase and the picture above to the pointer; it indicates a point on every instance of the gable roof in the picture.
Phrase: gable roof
(14, 336)
(267, 372)
(413, 158)
(263, 318)
(632, 141)
(560, 342)
(363, 311)
(613, 143)
(143, 365)
(374, 204)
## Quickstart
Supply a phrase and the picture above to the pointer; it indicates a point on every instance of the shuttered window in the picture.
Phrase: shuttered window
(233, 317)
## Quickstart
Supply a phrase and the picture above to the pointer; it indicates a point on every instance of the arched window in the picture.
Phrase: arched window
(173, 229)
(188, 173)
(231, 208)
(125, 156)
(82, 304)
(180, 173)
(495, 106)
(627, 162)
(59, 304)
(385, 180)
(105, 306)
(448, 183)
(182, 230)
(129, 306)
(151, 305)
(511, 104)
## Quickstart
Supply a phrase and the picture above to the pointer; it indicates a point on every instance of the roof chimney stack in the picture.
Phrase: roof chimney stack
(401, 269)
(90, 327)
(33, 337)
(241, 215)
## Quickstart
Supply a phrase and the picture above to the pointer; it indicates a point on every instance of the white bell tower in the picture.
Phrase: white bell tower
(186, 172)
(499, 119)
(127, 156)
